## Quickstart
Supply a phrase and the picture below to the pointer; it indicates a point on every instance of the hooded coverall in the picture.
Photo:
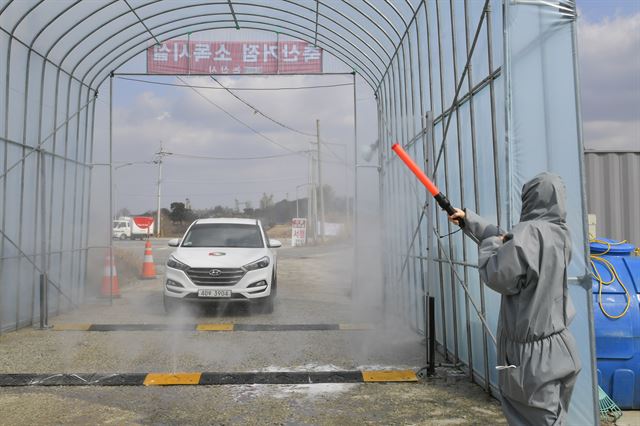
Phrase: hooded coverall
(537, 355)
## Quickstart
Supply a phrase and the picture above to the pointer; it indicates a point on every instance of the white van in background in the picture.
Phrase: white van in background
(132, 228)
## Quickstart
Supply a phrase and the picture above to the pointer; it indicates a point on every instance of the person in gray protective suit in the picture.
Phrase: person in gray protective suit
(537, 355)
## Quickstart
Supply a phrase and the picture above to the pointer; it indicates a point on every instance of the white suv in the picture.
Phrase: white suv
(222, 260)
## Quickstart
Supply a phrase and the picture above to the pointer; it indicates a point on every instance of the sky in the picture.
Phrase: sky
(188, 122)
(609, 55)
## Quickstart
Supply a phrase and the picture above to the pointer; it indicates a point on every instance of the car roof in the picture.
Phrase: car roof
(232, 220)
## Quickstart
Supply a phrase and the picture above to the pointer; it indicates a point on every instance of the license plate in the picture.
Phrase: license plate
(206, 292)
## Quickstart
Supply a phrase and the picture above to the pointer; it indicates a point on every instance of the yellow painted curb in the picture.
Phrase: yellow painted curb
(214, 327)
(389, 376)
(71, 327)
(356, 327)
(163, 379)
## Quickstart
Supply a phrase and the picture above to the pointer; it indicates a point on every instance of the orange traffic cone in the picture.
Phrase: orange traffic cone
(148, 267)
(110, 287)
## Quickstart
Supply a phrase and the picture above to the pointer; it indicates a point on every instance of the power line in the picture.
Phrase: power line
(257, 111)
(325, 86)
(188, 195)
(279, 123)
(209, 181)
(237, 119)
(264, 157)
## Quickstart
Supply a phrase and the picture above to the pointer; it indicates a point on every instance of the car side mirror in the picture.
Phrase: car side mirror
(174, 242)
(274, 243)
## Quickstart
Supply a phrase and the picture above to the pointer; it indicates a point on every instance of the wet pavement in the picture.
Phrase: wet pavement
(314, 288)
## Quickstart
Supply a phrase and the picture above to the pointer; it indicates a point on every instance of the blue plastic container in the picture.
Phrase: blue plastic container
(618, 340)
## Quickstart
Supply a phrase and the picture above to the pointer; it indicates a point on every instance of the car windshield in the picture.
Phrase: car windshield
(223, 235)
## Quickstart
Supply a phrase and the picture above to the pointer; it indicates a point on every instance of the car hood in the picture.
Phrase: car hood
(232, 258)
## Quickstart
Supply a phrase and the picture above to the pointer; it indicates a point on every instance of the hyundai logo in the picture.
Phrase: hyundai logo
(215, 272)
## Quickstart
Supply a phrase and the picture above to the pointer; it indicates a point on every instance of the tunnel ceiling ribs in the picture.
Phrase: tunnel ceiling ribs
(365, 35)
(145, 25)
(235, 19)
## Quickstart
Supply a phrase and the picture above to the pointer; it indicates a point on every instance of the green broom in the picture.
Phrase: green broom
(608, 409)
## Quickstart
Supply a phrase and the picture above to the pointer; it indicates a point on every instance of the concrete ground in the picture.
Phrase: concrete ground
(629, 418)
(314, 288)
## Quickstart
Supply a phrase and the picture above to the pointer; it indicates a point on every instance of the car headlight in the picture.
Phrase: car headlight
(176, 264)
(258, 264)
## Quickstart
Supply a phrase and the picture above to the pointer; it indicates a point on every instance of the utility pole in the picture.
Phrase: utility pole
(320, 183)
(312, 222)
(158, 161)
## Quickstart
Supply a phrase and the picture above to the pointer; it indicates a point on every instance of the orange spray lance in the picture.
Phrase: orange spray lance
(440, 198)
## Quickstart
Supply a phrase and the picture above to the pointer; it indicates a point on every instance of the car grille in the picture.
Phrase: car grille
(227, 277)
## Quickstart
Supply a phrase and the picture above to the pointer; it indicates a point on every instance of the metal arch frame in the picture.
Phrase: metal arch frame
(379, 13)
(367, 74)
(338, 54)
(141, 21)
(233, 13)
(131, 39)
(404, 35)
(476, 192)
(375, 39)
(40, 187)
(30, 52)
(315, 32)
(70, 29)
(348, 56)
(83, 246)
(395, 9)
(261, 23)
(8, 62)
(6, 133)
(244, 4)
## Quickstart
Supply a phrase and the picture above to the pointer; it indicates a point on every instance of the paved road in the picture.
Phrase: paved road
(314, 288)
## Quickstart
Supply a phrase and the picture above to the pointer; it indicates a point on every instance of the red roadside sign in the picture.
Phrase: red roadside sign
(143, 222)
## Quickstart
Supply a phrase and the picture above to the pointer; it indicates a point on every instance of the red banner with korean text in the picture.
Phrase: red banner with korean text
(234, 57)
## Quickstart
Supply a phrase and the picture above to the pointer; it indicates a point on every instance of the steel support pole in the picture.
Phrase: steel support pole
(461, 175)
(88, 189)
(354, 277)
(22, 185)
(44, 282)
(476, 189)
(72, 283)
(347, 221)
(53, 179)
(442, 291)
(36, 194)
(494, 130)
(83, 216)
(402, 183)
(583, 199)
(64, 183)
(44, 308)
(309, 192)
(431, 358)
(424, 272)
(394, 89)
(110, 216)
(381, 194)
(320, 182)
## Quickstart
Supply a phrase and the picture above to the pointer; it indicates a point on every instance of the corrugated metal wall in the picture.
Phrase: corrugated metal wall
(613, 193)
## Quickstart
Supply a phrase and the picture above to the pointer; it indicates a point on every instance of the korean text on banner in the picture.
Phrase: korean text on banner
(234, 57)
